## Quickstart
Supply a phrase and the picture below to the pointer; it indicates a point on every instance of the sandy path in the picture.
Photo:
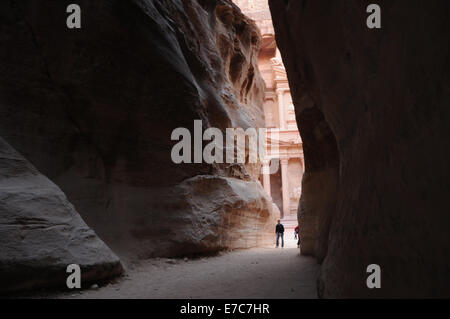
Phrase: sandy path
(252, 273)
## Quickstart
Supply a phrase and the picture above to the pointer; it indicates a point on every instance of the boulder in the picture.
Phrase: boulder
(41, 233)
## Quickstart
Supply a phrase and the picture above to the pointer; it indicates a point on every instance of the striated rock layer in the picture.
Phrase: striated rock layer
(94, 108)
(373, 111)
(41, 233)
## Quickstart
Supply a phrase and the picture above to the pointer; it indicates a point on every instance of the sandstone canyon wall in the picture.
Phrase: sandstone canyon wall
(373, 111)
(93, 109)
(41, 233)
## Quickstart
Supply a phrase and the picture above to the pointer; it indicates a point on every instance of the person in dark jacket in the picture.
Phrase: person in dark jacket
(279, 230)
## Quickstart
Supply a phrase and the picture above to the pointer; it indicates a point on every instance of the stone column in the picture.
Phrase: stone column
(280, 93)
(266, 177)
(278, 54)
(285, 187)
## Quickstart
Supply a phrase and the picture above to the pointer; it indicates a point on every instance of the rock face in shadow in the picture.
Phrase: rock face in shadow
(94, 109)
(373, 111)
(41, 233)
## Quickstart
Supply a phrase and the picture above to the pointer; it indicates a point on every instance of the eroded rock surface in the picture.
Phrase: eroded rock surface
(373, 111)
(41, 233)
(94, 108)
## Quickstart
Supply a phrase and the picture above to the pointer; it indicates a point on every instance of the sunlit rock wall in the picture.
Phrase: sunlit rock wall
(94, 108)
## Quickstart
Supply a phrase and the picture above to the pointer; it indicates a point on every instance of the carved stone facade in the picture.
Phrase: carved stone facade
(283, 139)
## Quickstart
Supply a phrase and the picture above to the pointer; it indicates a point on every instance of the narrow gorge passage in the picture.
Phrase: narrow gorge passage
(123, 148)
(122, 152)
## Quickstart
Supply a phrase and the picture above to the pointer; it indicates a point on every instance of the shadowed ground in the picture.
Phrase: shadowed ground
(253, 273)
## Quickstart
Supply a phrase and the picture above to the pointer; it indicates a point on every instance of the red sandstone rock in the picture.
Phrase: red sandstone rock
(373, 112)
(93, 109)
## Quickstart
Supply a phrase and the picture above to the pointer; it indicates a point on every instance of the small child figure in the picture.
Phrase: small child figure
(296, 235)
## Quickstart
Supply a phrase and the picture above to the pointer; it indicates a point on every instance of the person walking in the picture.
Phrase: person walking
(297, 235)
(279, 230)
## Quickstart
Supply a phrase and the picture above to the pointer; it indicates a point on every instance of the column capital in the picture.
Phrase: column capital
(265, 169)
(265, 162)
(270, 95)
(284, 161)
(281, 90)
